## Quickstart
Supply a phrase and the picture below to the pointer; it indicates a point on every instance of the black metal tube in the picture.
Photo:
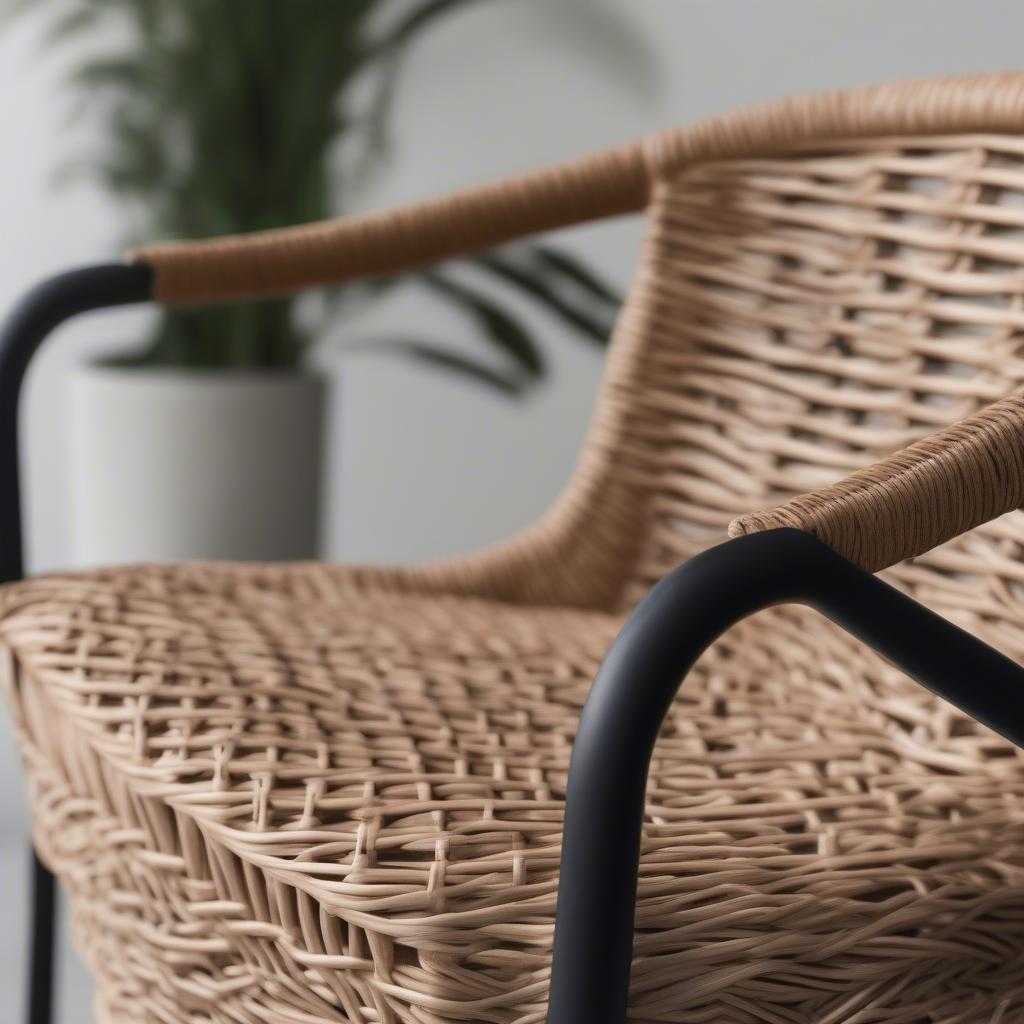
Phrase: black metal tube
(28, 325)
(635, 687)
(42, 943)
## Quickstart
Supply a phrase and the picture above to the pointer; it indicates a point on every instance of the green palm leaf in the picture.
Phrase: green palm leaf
(498, 324)
(592, 318)
(510, 383)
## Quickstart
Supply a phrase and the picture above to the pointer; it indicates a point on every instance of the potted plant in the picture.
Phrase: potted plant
(237, 115)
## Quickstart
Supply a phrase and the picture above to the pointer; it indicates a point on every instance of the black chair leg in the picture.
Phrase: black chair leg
(42, 952)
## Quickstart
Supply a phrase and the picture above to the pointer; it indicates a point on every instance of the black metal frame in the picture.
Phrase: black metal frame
(630, 697)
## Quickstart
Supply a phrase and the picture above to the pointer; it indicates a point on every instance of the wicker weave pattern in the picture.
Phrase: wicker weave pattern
(300, 795)
(358, 810)
(826, 310)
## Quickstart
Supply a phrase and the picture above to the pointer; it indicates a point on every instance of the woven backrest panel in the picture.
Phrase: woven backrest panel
(826, 279)
(798, 317)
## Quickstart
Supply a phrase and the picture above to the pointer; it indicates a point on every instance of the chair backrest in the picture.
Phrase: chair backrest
(823, 281)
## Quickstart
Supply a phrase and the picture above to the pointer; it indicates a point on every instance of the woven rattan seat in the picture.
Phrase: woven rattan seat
(406, 754)
(311, 794)
(274, 793)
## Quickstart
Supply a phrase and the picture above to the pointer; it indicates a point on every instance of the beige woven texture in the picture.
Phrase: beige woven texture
(310, 794)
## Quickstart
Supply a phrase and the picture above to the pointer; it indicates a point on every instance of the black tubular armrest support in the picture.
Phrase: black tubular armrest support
(634, 689)
(43, 309)
(40, 311)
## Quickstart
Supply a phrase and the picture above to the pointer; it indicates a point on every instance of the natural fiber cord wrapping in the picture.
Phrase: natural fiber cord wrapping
(603, 184)
(919, 497)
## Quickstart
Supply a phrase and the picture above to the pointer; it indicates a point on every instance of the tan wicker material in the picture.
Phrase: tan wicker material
(309, 794)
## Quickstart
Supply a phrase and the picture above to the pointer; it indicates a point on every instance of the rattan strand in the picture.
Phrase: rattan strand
(313, 795)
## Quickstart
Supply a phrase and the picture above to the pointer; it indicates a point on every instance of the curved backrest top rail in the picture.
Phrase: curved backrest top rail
(613, 181)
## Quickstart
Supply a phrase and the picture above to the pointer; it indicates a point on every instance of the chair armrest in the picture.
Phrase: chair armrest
(917, 498)
(529, 567)
(267, 263)
(633, 692)
(281, 261)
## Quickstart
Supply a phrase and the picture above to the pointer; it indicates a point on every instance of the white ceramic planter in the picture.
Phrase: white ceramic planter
(172, 465)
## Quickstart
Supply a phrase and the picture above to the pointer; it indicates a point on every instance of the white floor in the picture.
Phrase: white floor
(74, 990)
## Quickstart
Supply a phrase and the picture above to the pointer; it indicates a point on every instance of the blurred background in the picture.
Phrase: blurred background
(458, 404)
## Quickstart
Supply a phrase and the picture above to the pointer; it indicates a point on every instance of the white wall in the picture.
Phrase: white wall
(424, 465)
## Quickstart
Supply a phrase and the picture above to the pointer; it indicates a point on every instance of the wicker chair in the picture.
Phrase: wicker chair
(302, 794)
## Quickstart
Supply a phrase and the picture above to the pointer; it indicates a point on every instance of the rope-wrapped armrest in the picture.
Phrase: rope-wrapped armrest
(917, 498)
(262, 264)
